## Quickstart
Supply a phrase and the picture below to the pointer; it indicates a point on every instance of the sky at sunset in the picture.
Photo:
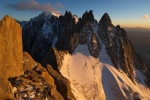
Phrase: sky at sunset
(127, 13)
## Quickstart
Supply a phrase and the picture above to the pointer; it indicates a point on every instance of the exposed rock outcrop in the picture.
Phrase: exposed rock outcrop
(62, 83)
(35, 85)
(140, 65)
(10, 54)
(118, 46)
(33, 66)
(54, 92)
(94, 46)
(28, 62)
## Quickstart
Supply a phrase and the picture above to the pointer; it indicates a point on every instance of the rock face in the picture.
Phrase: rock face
(28, 62)
(118, 46)
(54, 92)
(63, 84)
(10, 53)
(60, 86)
(94, 46)
(63, 33)
(36, 85)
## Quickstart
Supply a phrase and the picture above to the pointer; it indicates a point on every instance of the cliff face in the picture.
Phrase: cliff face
(118, 46)
(10, 53)
(60, 86)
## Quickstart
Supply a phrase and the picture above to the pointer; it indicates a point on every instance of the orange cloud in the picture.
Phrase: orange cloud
(33, 5)
(59, 5)
(145, 16)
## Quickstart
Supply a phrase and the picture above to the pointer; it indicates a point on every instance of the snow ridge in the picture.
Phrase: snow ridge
(97, 78)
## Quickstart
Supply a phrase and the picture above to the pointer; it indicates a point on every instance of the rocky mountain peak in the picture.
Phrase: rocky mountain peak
(67, 16)
(118, 26)
(88, 16)
(48, 15)
(6, 18)
(105, 20)
(68, 13)
(45, 14)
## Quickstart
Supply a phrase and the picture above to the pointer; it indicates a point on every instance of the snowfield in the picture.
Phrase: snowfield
(97, 79)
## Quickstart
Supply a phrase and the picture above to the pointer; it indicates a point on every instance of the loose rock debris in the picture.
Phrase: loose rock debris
(30, 86)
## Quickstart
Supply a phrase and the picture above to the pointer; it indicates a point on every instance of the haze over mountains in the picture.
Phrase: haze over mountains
(140, 38)
(74, 59)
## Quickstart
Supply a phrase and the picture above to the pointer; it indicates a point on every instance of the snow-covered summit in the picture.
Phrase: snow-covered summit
(56, 14)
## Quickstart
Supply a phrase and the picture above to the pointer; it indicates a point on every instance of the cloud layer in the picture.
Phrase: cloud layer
(59, 5)
(32, 5)
(145, 16)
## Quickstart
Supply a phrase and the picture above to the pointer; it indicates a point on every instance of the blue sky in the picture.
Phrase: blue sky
(127, 13)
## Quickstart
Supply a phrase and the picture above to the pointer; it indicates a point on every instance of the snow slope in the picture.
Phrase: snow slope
(97, 79)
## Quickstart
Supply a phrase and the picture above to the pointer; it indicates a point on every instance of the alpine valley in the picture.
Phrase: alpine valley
(63, 57)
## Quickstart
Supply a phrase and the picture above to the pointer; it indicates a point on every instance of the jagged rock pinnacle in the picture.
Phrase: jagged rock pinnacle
(10, 53)
(11, 40)
(105, 20)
